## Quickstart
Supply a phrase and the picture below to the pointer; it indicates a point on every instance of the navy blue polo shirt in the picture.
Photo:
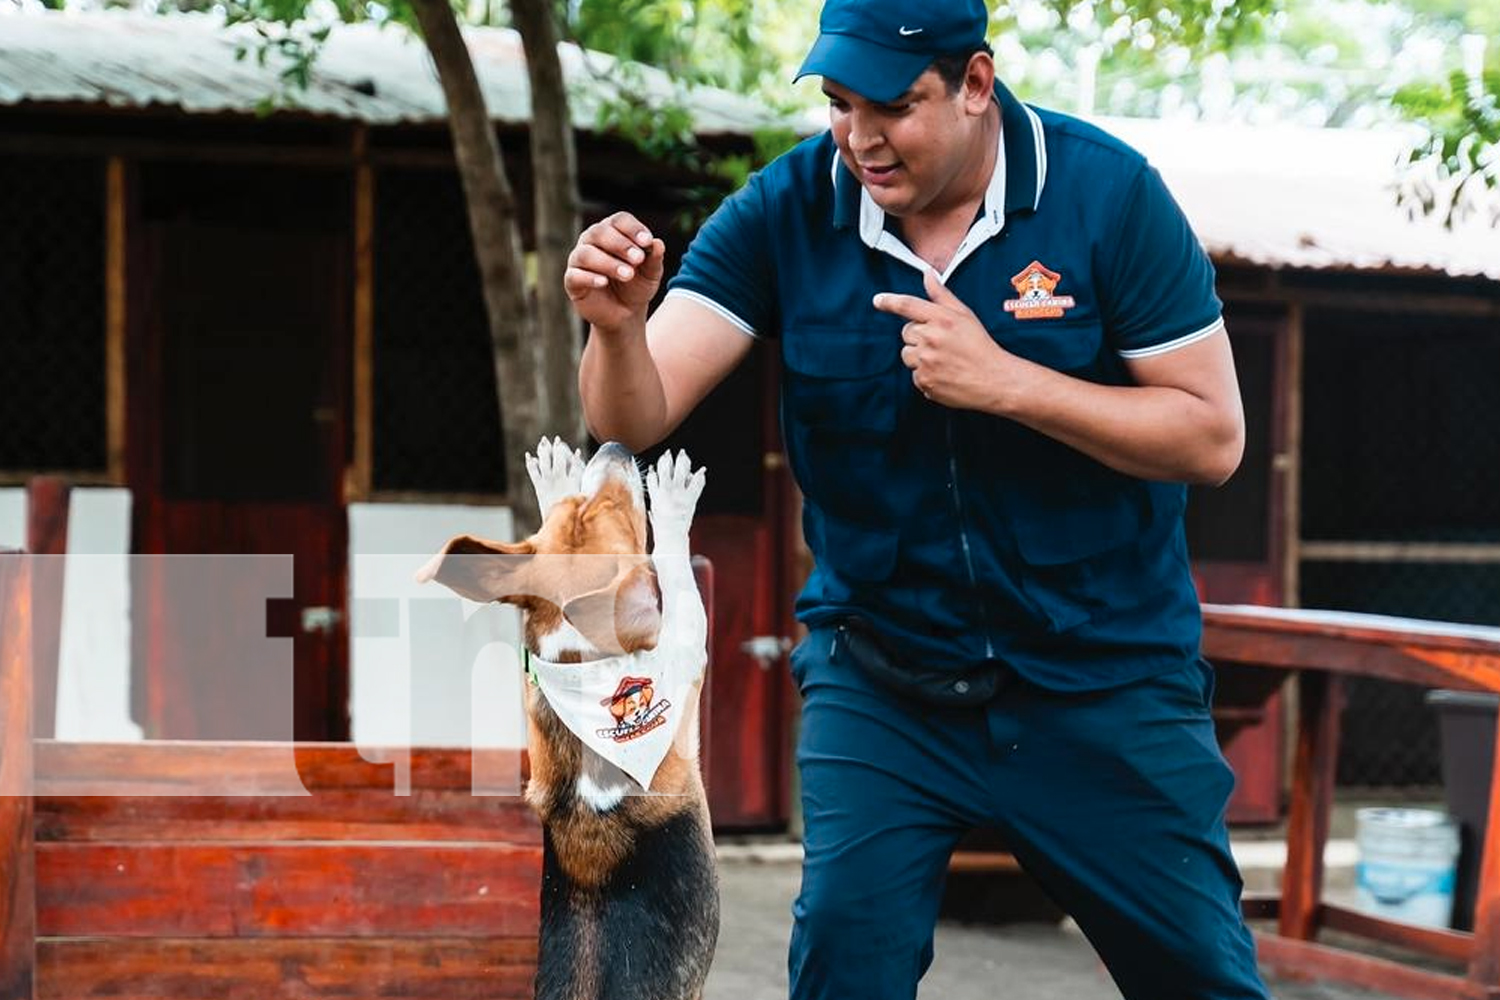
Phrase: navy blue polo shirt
(962, 536)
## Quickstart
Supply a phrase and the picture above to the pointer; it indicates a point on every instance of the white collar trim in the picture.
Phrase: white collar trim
(873, 234)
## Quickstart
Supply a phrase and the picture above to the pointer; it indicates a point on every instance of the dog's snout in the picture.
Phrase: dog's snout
(611, 461)
(614, 451)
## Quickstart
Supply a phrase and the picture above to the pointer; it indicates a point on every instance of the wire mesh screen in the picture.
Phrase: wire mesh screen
(52, 314)
(1390, 736)
(1231, 522)
(437, 420)
(1401, 503)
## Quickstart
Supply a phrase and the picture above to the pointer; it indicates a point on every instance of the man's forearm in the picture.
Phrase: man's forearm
(623, 399)
(1150, 432)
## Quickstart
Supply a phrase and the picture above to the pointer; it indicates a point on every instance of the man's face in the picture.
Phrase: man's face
(911, 154)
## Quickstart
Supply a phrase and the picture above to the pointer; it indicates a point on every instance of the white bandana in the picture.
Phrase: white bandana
(625, 708)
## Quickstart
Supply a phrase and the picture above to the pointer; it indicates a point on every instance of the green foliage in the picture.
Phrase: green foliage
(1199, 25)
(1461, 119)
(661, 127)
(285, 38)
(731, 172)
(1482, 17)
(769, 143)
(714, 42)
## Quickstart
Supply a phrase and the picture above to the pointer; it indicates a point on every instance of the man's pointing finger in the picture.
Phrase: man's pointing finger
(941, 294)
(905, 306)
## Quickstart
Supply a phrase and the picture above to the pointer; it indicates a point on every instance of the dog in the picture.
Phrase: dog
(617, 646)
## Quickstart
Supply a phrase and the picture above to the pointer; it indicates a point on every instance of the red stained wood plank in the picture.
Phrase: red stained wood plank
(1484, 966)
(361, 814)
(329, 969)
(46, 535)
(1227, 644)
(742, 717)
(1308, 961)
(17, 857)
(1358, 628)
(982, 861)
(1428, 653)
(1455, 946)
(1312, 800)
(336, 889)
(172, 767)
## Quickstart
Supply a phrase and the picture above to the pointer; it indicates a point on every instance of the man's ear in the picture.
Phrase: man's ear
(979, 83)
(624, 617)
(479, 569)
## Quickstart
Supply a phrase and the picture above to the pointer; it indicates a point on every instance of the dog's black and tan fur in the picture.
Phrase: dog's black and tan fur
(629, 901)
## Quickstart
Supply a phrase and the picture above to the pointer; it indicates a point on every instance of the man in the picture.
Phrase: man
(1003, 358)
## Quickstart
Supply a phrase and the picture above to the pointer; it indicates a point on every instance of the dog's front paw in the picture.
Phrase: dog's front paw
(556, 471)
(674, 488)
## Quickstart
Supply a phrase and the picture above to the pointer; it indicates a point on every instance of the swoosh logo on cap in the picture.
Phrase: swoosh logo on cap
(905, 31)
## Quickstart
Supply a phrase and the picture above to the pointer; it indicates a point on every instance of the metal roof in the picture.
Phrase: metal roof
(379, 75)
(1277, 196)
(1288, 196)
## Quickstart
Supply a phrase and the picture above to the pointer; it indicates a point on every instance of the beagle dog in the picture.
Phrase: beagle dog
(616, 643)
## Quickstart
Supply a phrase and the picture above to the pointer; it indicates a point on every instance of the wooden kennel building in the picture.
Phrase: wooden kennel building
(253, 321)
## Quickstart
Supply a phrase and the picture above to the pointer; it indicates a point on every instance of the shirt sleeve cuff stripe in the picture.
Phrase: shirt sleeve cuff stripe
(704, 300)
(1172, 345)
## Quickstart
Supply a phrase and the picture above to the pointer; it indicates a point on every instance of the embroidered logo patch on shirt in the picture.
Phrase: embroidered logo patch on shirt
(1037, 285)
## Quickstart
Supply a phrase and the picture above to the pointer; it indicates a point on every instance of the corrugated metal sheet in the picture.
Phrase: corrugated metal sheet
(378, 75)
(1279, 196)
(1298, 197)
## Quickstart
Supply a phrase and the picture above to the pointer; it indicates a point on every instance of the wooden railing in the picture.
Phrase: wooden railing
(1320, 649)
(180, 884)
(179, 869)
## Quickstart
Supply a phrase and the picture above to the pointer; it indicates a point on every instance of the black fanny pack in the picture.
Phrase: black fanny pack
(872, 654)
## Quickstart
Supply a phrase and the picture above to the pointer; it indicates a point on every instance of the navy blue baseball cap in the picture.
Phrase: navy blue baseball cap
(877, 48)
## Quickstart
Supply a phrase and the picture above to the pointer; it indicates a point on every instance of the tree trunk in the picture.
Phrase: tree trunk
(497, 247)
(554, 174)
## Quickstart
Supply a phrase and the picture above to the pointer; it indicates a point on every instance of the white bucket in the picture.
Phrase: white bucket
(1407, 862)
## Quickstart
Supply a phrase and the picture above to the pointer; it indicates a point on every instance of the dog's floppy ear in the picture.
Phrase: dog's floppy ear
(478, 569)
(623, 618)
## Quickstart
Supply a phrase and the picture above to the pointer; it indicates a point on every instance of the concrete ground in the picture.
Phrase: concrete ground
(1027, 961)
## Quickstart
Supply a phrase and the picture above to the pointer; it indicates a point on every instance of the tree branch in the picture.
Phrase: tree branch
(491, 207)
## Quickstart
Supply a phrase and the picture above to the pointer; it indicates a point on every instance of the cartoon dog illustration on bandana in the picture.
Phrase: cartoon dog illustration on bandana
(635, 712)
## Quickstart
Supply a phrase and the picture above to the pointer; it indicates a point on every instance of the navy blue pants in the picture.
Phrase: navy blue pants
(1112, 801)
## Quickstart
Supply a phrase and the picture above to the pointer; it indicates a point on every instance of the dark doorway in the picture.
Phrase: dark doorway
(238, 442)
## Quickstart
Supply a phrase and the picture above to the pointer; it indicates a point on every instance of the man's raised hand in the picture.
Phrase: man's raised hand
(614, 271)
